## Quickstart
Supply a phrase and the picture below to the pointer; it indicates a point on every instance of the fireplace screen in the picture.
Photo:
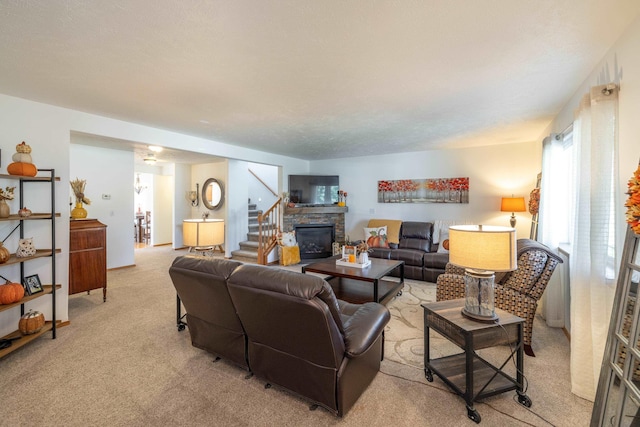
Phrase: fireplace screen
(315, 240)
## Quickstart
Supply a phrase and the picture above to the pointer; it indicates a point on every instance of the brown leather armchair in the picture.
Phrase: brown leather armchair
(516, 291)
(304, 339)
(211, 316)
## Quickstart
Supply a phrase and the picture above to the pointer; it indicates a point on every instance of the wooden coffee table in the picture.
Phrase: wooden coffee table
(354, 284)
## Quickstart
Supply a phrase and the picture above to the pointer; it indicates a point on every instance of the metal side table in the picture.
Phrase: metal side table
(468, 374)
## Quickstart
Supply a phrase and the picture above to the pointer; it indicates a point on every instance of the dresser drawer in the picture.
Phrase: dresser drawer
(87, 239)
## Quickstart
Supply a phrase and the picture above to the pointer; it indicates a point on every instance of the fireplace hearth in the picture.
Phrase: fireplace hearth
(315, 240)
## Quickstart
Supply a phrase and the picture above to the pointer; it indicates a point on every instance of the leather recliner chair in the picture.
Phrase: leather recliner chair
(302, 338)
(201, 284)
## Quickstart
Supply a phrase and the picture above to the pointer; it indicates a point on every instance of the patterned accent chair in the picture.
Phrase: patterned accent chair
(516, 291)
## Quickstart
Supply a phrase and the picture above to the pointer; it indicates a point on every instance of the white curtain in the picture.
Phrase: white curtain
(593, 257)
(550, 222)
(549, 203)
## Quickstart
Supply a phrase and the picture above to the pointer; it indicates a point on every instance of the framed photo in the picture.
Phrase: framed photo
(32, 284)
(349, 253)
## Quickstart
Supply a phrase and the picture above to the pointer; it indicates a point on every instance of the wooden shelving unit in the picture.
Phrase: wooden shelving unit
(49, 291)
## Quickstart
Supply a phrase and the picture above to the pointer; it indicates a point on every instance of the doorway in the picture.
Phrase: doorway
(143, 202)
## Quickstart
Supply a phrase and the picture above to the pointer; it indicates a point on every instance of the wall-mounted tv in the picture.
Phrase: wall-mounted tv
(314, 189)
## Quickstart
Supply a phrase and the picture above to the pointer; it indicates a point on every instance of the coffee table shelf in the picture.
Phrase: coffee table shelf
(358, 292)
(359, 285)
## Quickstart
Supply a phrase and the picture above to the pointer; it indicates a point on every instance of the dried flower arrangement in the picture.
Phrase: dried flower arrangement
(7, 193)
(78, 189)
(633, 202)
(534, 201)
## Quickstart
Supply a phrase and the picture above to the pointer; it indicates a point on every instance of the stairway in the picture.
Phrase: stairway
(248, 251)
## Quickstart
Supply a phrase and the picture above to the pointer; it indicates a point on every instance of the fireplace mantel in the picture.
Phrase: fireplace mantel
(315, 210)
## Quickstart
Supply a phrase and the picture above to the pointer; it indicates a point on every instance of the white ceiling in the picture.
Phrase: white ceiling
(313, 79)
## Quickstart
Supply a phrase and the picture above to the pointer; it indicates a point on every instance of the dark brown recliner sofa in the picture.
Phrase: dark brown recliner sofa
(416, 248)
(300, 337)
(213, 323)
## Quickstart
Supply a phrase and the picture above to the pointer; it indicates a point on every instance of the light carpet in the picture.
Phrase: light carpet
(124, 362)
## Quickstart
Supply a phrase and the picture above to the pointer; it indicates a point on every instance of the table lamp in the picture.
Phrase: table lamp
(513, 205)
(481, 250)
(203, 234)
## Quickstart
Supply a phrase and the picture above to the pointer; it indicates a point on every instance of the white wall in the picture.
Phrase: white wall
(236, 208)
(182, 204)
(162, 213)
(97, 166)
(260, 195)
(494, 172)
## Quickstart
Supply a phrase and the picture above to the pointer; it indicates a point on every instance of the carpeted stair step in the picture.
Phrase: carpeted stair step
(242, 255)
(252, 236)
(249, 245)
(254, 227)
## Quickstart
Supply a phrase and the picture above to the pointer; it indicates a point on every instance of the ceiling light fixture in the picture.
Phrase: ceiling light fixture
(155, 148)
(138, 187)
(150, 159)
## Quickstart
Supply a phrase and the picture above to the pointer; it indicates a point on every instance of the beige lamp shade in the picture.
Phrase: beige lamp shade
(512, 204)
(483, 247)
(203, 232)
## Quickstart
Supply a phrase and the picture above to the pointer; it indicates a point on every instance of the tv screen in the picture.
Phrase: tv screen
(313, 189)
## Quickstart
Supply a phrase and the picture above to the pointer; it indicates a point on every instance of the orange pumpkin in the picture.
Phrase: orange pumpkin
(31, 322)
(23, 169)
(4, 254)
(11, 292)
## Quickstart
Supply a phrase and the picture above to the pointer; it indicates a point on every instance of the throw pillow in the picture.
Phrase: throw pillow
(287, 238)
(376, 237)
(393, 229)
(443, 247)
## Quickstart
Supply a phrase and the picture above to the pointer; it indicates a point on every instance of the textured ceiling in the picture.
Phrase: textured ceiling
(308, 78)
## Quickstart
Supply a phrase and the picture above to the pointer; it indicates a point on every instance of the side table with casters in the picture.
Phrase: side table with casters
(468, 374)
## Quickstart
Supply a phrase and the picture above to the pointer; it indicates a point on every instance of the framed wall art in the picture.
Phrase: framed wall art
(431, 190)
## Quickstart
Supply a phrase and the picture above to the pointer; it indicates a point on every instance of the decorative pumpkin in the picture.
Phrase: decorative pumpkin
(4, 254)
(23, 148)
(24, 212)
(11, 292)
(31, 322)
(21, 168)
(22, 157)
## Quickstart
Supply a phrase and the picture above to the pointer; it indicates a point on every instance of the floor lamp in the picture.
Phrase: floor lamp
(203, 235)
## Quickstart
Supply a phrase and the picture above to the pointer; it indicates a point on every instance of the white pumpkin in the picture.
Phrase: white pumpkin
(22, 158)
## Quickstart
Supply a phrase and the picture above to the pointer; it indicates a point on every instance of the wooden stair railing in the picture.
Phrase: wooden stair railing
(269, 225)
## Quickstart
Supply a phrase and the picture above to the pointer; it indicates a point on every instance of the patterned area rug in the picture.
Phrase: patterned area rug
(404, 337)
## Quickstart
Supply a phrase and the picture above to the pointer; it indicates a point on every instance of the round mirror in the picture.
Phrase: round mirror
(212, 194)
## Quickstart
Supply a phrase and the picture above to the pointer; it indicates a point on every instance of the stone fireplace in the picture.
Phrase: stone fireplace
(315, 240)
(307, 219)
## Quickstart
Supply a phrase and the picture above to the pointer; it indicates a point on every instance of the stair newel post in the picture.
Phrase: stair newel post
(260, 241)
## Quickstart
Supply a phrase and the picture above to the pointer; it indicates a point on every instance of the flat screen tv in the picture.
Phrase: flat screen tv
(314, 189)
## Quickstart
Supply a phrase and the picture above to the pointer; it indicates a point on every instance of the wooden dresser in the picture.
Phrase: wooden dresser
(87, 256)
